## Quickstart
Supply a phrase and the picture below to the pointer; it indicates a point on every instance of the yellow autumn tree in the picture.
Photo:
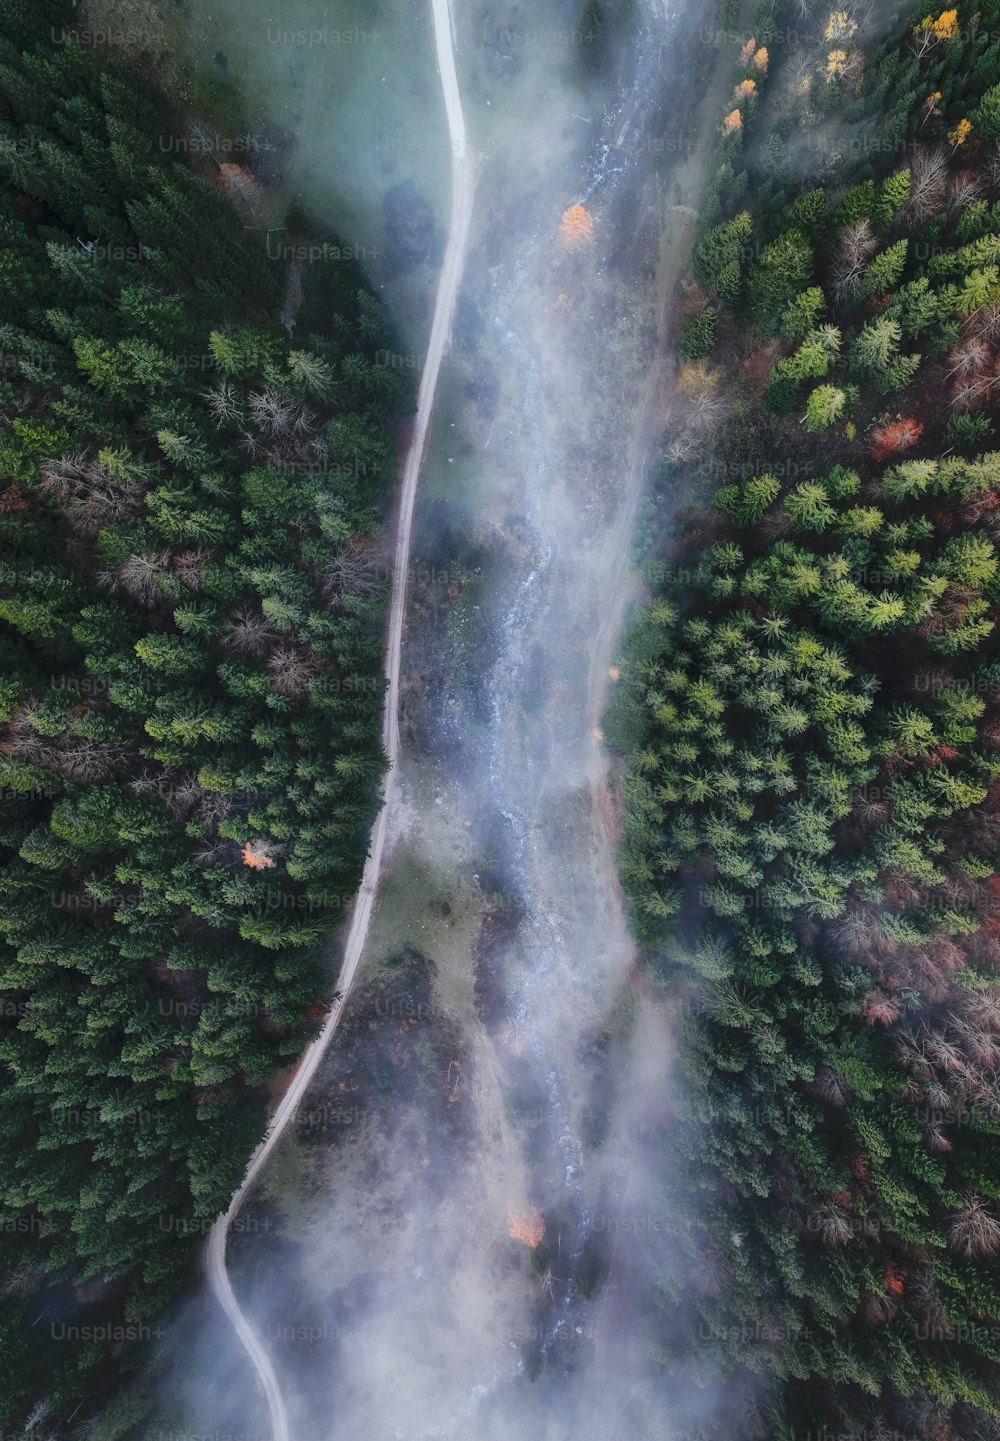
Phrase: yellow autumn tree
(732, 123)
(945, 27)
(577, 226)
(931, 32)
(960, 134)
(747, 51)
(840, 26)
(694, 378)
(760, 60)
(746, 90)
(836, 64)
(931, 106)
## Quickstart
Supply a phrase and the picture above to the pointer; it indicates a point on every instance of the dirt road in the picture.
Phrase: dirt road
(451, 273)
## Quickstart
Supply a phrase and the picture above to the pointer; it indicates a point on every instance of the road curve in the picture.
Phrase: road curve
(451, 273)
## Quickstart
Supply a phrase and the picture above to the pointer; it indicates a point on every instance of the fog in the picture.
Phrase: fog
(455, 1240)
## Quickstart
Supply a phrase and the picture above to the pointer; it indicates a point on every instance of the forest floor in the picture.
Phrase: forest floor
(148, 33)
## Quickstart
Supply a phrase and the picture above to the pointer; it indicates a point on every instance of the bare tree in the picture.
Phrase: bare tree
(969, 357)
(856, 246)
(302, 524)
(974, 1231)
(182, 793)
(982, 1008)
(986, 321)
(305, 422)
(829, 1087)
(244, 190)
(273, 413)
(705, 410)
(965, 189)
(141, 577)
(972, 391)
(69, 754)
(878, 1309)
(944, 1054)
(188, 566)
(215, 852)
(91, 495)
(148, 782)
(319, 450)
(83, 760)
(224, 403)
(256, 142)
(982, 1428)
(290, 669)
(213, 807)
(859, 933)
(357, 568)
(911, 1048)
(869, 811)
(248, 633)
(928, 182)
(980, 1048)
(204, 141)
(69, 475)
(680, 447)
(984, 1094)
(831, 1224)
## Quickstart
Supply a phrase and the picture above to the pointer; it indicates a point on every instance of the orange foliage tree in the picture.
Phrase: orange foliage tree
(880, 1009)
(526, 1226)
(242, 189)
(892, 439)
(257, 855)
(577, 226)
(895, 1280)
(12, 500)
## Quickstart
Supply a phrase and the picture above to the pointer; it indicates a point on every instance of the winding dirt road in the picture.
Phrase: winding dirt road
(451, 273)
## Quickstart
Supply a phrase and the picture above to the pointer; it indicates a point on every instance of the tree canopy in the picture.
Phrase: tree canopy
(192, 587)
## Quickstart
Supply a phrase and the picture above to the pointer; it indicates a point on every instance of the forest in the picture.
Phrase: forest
(196, 463)
(809, 729)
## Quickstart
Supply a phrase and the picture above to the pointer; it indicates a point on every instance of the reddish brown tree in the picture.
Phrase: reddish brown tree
(894, 438)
